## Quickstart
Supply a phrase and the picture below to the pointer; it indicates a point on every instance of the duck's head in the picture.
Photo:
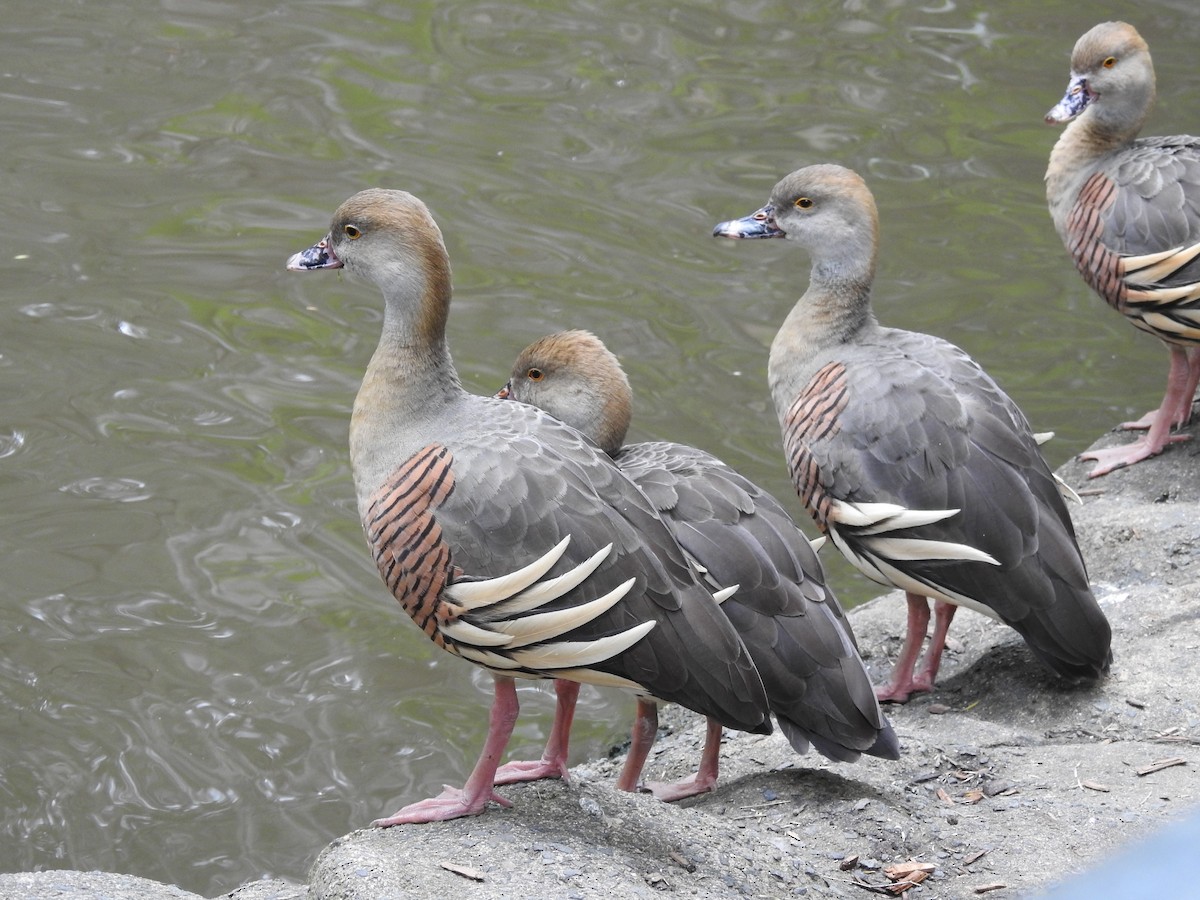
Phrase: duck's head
(576, 379)
(1111, 62)
(828, 209)
(385, 236)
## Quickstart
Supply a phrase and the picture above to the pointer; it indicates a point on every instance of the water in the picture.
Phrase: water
(202, 678)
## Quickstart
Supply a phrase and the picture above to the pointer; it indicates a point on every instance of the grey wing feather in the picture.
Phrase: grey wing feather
(1157, 205)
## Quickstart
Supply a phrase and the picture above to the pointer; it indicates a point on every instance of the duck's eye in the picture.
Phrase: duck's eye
(804, 203)
(1110, 62)
(352, 232)
(535, 374)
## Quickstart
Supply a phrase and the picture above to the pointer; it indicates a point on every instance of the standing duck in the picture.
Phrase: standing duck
(919, 468)
(1128, 210)
(738, 534)
(509, 538)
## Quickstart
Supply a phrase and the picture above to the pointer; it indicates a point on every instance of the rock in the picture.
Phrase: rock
(69, 885)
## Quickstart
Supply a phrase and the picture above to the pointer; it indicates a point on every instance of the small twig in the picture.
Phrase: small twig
(764, 805)
(473, 874)
(682, 861)
(1159, 765)
(867, 886)
(1090, 785)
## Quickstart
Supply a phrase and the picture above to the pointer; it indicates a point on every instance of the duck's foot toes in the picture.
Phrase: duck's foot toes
(531, 770)
(451, 803)
(1112, 458)
(680, 790)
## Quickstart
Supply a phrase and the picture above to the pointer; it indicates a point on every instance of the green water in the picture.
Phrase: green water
(202, 678)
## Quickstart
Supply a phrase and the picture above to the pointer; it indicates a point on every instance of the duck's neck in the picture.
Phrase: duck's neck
(410, 379)
(834, 311)
(1082, 145)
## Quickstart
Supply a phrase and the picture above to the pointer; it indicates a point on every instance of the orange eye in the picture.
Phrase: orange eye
(804, 203)
(352, 232)
(535, 374)
(1110, 62)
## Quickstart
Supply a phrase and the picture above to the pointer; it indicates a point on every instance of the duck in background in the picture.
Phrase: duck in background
(921, 470)
(509, 538)
(737, 533)
(1128, 211)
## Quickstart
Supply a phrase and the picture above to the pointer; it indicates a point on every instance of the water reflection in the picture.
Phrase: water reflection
(202, 679)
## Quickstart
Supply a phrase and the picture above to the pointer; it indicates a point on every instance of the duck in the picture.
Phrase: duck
(510, 539)
(784, 610)
(920, 469)
(1128, 211)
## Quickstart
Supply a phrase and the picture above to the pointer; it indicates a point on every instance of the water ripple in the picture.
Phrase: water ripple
(124, 490)
(11, 443)
(195, 640)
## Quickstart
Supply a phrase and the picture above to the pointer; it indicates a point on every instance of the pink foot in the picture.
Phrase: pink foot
(1118, 457)
(451, 803)
(692, 786)
(900, 692)
(1175, 410)
(705, 778)
(1142, 424)
(1181, 417)
(531, 770)
(553, 763)
(474, 796)
(904, 681)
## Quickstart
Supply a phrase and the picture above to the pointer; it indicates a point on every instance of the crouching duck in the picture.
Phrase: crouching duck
(508, 537)
(920, 469)
(788, 618)
(1128, 210)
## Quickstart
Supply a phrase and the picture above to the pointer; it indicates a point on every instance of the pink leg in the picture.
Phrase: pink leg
(645, 730)
(943, 614)
(1153, 442)
(1184, 415)
(901, 685)
(705, 778)
(453, 803)
(553, 763)
(1190, 362)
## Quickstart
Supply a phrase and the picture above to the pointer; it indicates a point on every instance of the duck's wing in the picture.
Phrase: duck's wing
(527, 551)
(785, 613)
(1134, 234)
(928, 478)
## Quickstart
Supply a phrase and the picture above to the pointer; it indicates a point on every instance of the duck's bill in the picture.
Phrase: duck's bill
(759, 225)
(318, 256)
(1074, 101)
